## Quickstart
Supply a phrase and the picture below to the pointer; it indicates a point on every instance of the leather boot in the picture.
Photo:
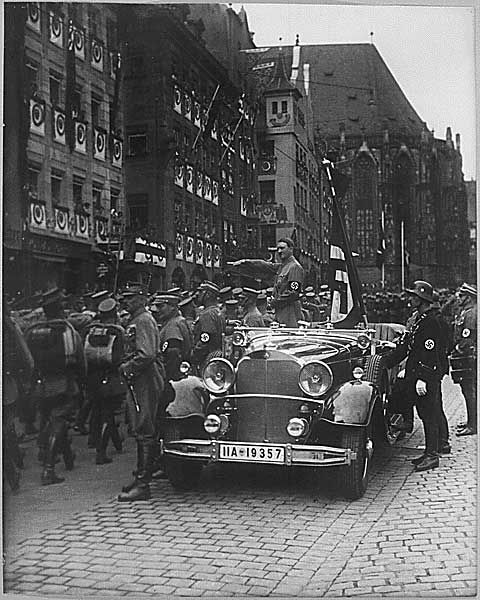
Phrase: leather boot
(141, 489)
(102, 443)
(418, 460)
(49, 476)
(140, 466)
(429, 462)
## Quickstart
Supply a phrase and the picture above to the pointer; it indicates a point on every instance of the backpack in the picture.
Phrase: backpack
(52, 344)
(104, 346)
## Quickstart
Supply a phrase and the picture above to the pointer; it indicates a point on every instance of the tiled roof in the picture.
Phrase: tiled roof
(351, 84)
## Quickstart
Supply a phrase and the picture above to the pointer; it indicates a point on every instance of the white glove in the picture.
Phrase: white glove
(401, 374)
(421, 387)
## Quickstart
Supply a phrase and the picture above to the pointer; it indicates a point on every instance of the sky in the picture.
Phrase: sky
(429, 50)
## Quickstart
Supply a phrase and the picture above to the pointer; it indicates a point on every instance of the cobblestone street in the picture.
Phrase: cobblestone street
(252, 532)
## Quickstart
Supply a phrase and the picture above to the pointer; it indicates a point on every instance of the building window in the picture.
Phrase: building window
(114, 199)
(137, 144)
(96, 106)
(77, 193)
(267, 148)
(138, 210)
(33, 174)
(267, 192)
(55, 89)
(31, 77)
(94, 21)
(97, 197)
(274, 108)
(284, 106)
(56, 185)
(77, 102)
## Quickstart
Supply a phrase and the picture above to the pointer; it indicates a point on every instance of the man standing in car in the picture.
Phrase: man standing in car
(288, 282)
(425, 349)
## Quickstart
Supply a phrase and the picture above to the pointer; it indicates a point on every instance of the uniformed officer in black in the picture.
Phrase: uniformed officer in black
(209, 326)
(465, 354)
(175, 336)
(426, 350)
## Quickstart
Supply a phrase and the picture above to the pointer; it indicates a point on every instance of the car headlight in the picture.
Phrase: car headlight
(218, 376)
(239, 338)
(212, 424)
(315, 378)
(363, 341)
(297, 427)
(358, 372)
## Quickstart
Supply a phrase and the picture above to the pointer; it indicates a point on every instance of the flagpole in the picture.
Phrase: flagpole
(355, 279)
(233, 137)
(402, 245)
(201, 128)
(383, 259)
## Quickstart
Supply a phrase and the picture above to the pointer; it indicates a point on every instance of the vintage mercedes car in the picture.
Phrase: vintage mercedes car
(311, 397)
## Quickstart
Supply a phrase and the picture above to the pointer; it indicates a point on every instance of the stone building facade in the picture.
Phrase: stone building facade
(190, 147)
(63, 146)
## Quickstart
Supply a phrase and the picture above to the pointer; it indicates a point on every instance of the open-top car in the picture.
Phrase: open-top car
(313, 397)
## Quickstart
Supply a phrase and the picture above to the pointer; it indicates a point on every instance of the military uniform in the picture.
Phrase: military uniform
(463, 358)
(56, 389)
(145, 373)
(426, 350)
(105, 387)
(286, 292)
(207, 334)
(176, 345)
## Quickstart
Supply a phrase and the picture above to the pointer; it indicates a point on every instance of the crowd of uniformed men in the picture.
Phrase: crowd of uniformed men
(95, 361)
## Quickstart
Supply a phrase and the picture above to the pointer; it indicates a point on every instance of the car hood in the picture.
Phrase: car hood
(303, 346)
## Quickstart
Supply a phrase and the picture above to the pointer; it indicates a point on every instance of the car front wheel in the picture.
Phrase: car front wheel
(353, 478)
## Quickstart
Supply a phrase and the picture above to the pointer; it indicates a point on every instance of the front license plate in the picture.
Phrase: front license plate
(252, 453)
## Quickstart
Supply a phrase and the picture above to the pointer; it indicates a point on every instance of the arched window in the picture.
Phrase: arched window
(365, 192)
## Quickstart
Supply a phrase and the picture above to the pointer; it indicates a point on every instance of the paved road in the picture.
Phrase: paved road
(251, 532)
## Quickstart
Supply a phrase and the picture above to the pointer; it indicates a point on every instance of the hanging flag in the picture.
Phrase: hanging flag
(347, 304)
(382, 246)
(70, 107)
(117, 64)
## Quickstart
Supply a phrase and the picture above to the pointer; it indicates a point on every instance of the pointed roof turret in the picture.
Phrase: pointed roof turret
(280, 82)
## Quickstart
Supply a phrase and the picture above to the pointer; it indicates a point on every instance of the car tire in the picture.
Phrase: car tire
(353, 478)
(376, 372)
(183, 474)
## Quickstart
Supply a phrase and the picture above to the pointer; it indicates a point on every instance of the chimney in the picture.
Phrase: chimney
(457, 141)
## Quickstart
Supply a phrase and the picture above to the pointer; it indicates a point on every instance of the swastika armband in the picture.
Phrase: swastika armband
(205, 337)
(429, 344)
(466, 332)
(164, 346)
(294, 286)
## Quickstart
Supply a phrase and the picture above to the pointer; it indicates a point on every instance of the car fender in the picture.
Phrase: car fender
(353, 402)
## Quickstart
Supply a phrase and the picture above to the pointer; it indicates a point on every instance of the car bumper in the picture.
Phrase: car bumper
(291, 454)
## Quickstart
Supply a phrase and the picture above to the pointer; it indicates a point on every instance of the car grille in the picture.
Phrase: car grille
(259, 419)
